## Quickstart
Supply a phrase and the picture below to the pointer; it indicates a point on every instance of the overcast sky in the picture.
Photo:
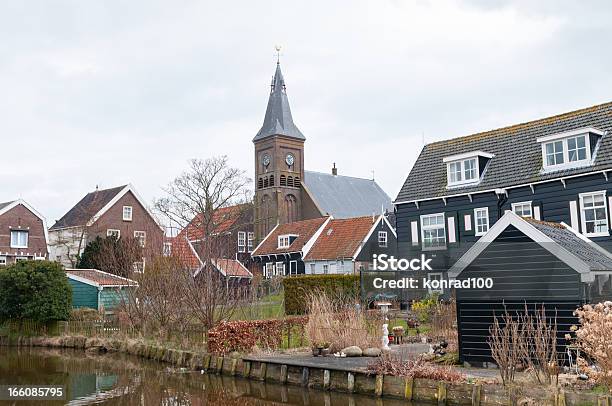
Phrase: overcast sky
(107, 93)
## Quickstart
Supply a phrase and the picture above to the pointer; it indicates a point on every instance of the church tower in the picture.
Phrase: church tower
(279, 163)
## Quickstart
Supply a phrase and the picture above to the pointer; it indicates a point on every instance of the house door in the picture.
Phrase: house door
(293, 268)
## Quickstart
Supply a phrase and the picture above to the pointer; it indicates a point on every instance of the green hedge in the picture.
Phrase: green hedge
(296, 289)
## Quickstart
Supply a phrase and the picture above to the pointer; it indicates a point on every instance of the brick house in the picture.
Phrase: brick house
(23, 233)
(118, 211)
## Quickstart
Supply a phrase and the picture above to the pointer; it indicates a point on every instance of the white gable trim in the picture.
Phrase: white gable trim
(380, 218)
(530, 231)
(129, 282)
(571, 133)
(34, 211)
(309, 244)
(473, 154)
(114, 200)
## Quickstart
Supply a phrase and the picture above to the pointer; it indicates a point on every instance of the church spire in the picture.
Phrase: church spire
(278, 120)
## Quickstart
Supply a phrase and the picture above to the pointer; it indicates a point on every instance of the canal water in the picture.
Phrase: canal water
(118, 379)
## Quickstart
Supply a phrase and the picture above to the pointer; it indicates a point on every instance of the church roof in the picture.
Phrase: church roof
(346, 196)
(278, 120)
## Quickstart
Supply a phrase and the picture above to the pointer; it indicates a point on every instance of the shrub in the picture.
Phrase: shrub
(337, 324)
(85, 314)
(417, 368)
(35, 290)
(298, 288)
(593, 337)
(244, 335)
(424, 307)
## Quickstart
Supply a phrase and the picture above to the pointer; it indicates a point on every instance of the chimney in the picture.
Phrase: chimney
(335, 170)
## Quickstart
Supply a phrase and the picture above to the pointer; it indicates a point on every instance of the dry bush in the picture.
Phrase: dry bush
(418, 368)
(337, 324)
(505, 340)
(444, 321)
(595, 337)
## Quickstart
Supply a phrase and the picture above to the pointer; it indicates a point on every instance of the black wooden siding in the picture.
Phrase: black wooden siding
(371, 246)
(284, 258)
(523, 273)
(552, 198)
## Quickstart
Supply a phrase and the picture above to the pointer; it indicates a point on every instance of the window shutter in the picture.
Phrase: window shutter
(610, 208)
(452, 231)
(537, 210)
(414, 227)
(467, 221)
(574, 215)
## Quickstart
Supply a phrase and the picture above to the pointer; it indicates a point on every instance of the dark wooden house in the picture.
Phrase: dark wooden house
(529, 263)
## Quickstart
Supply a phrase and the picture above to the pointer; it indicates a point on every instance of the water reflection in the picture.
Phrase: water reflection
(116, 379)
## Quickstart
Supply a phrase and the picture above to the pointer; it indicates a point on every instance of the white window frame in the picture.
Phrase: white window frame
(280, 268)
(250, 240)
(269, 270)
(313, 268)
(566, 164)
(135, 268)
(424, 228)
(431, 290)
(3, 260)
(167, 249)
(241, 241)
(581, 197)
(111, 231)
(517, 204)
(143, 240)
(462, 172)
(382, 239)
(478, 210)
(284, 241)
(16, 243)
(18, 259)
(296, 267)
(325, 269)
(129, 216)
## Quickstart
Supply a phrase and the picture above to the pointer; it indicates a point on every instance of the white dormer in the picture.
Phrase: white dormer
(285, 240)
(571, 149)
(466, 169)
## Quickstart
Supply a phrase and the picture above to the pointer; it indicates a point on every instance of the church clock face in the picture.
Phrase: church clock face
(265, 160)
(290, 159)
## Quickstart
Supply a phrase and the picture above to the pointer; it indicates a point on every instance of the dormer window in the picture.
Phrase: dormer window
(466, 169)
(284, 241)
(572, 149)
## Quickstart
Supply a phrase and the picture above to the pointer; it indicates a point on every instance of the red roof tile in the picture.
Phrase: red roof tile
(224, 220)
(232, 267)
(340, 238)
(304, 230)
(100, 277)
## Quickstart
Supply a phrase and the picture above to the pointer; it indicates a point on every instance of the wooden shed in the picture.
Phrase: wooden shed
(97, 289)
(530, 263)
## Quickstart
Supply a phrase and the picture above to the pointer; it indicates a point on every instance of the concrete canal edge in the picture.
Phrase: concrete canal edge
(321, 378)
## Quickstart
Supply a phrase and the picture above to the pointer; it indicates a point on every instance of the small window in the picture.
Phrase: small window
(554, 153)
(284, 241)
(313, 269)
(167, 249)
(19, 239)
(435, 277)
(3, 260)
(280, 269)
(481, 218)
(141, 236)
(325, 269)
(269, 271)
(522, 209)
(127, 213)
(113, 233)
(250, 241)
(382, 239)
(433, 231)
(576, 149)
(462, 172)
(19, 259)
(566, 152)
(139, 266)
(241, 241)
(594, 214)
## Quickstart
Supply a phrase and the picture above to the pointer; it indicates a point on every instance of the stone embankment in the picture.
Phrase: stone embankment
(327, 378)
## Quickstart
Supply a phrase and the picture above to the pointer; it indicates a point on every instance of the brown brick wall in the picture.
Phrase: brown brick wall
(141, 221)
(19, 217)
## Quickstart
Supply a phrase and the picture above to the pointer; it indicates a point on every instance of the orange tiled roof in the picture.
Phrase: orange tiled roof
(341, 238)
(224, 220)
(304, 230)
(101, 278)
(232, 267)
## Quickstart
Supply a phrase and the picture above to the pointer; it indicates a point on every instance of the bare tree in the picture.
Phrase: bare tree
(196, 198)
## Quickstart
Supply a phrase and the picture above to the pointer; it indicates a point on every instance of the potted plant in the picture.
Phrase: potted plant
(320, 348)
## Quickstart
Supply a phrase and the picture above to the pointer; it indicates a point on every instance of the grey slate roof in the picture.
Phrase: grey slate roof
(518, 157)
(278, 120)
(3, 205)
(87, 207)
(589, 252)
(346, 196)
